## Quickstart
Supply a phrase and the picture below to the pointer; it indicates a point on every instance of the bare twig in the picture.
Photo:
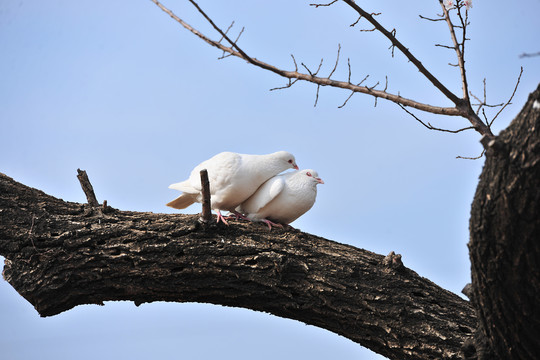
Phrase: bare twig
(511, 97)
(346, 100)
(431, 127)
(430, 19)
(317, 5)
(226, 31)
(525, 55)
(458, 49)
(87, 188)
(290, 83)
(356, 22)
(319, 68)
(206, 216)
(337, 61)
(236, 51)
(349, 64)
(483, 103)
(462, 107)
(472, 158)
(317, 96)
(352, 93)
(445, 46)
(405, 51)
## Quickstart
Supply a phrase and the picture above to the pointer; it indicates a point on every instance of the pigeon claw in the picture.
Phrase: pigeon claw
(236, 215)
(220, 217)
(270, 223)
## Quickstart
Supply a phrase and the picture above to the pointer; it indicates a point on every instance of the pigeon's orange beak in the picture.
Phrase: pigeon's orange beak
(295, 167)
(319, 180)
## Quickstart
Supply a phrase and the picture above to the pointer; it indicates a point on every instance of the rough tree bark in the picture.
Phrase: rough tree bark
(505, 241)
(61, 254)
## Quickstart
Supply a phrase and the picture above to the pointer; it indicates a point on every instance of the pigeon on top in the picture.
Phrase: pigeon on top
(233, 178)
(283, 198)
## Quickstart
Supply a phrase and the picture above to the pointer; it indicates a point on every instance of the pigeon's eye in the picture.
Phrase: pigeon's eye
(290, 161)
(308, 174)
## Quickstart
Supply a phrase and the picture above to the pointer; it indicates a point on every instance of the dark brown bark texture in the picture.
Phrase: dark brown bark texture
(505, 241)
(61, 254)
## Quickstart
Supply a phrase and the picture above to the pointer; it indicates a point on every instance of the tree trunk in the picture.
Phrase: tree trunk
(61, 254)
(505, 241)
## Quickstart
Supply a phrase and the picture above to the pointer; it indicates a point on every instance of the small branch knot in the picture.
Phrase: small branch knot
(393, 261)
(467, 291)
(493, 145)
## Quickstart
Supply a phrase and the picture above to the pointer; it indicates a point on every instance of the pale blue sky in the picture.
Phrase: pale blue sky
(119, 89)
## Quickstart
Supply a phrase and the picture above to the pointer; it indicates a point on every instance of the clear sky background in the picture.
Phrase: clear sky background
(119, 89)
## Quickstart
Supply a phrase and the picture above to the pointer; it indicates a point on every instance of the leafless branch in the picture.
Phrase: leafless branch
(472, 158)
(337, 61)
(525, 55)
(430, 19)
(483, 103)
(511, 97)
(319, 68)
(346, 100)
(404, 50)
(305, 67)
(431, 127)
(393, 32)
(226, 31)
(316, 72)
(485, 118)
(317, 5)
(352, 92)
(349, 64)
(445, 46)
(291, 82)
(459, 49)
(462, 107)
(374, 86)
(356, 22)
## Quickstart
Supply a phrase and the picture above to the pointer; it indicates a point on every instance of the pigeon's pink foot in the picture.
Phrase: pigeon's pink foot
(237, 216)
(270, 223)
(220, 217)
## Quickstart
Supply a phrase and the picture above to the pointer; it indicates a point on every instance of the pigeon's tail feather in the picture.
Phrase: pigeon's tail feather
(183, 201)
(184, 186)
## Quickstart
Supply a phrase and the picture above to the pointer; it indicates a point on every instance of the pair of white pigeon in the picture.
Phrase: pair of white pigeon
(250, 185)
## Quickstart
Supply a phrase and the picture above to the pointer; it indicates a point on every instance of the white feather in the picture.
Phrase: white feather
(283, 198)
(233, 178)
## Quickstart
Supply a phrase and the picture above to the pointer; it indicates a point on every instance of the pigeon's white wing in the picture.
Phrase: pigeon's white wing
(264, 195)
(234, 178)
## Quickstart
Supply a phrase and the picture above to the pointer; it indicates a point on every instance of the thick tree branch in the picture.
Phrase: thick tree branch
(504, 244)
(61, 254)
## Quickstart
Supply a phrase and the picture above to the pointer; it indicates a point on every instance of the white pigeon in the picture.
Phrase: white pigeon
(283, 198)
(233, 178)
